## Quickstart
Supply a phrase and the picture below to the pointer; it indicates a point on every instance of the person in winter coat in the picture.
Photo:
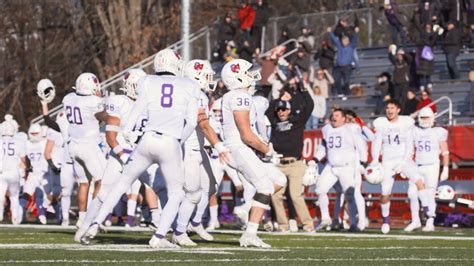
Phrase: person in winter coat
(411, 104)
(246, 16)
(401, 72)
(226, 33)
(451, 46)
(262, 15)
(425, 100)
(326, 55)
(396, 26)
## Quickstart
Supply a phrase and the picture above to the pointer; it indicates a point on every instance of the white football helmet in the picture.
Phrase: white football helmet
(9, 127)
(373, 174)
(130, 81)
(168, 60)
(201, 71)
(45, 90)
(87, 84)
(426, 117)
(236, 74)
(311, 174)
(445, 192)
(35, 133)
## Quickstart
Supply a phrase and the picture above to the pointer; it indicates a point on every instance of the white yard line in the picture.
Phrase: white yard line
(238, 232)
(397, 259)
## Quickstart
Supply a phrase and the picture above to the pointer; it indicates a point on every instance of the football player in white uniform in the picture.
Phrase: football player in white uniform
(342, 149)
(171, 105)
(428, 142)
(36, 181)
(84, 110)
(240, 139)
(13, 160)
(391, 134)
(197, 168)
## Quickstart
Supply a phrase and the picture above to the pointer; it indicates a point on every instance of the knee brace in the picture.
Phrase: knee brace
(261, 201)
(193, 196)
(349, 194)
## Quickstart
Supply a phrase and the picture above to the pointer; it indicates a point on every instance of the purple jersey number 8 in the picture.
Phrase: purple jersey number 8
(167, 95)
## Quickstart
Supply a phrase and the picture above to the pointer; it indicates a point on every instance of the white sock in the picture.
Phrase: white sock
(201, 207)
(385, 209)
(131, 207)
(415, 209)
(423, 196)
(155, 215)
(324, 206)
(213, 213)
(82, 215)
(184, 215)
(252, 228)
(65, 205)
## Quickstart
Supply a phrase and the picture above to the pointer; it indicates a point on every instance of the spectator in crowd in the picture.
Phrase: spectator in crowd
(245, 51)
(326, 55)
(246, 16)
(344, 61)
(470, 20)
(319, 110)
(396, 26)
(428, 11)
(450, 11)
(268, 65)
(451, 47)
(277, 80)
(306, 40)
(425, 100)
(301, 60)
(219, 91)
(384, 91)
(343, 29)
(410, 105)
(285, 36)
(262, 15)
(226, 33)
(230, 51)
(288, 117)
(425, 55)
(323, 81)
(401, 72)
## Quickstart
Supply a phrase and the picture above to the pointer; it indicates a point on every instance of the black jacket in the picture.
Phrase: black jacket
(452, 41)
(287, 137)
(410, 106)
(401, 71)
(261, 16)
(226, 32)
(326, 57)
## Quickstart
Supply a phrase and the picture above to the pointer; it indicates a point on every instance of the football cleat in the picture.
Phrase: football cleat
(412, 227)
(42, 219)
(363, 223)
(268, 226)
(108, 223)
(201, 232)
(183, 240)
(65, 223)
(354, 229)
(252, 240)
(385, 228)
(242, 216)
(213, 225)
(161, 243)
(429, 226)
(323, 224)
(90, 234)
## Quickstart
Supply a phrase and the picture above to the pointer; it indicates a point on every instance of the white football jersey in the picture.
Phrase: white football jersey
(59, 152)
(80, 112)
(13, 151)
(393, 137)
(196, 140)
(426, 142)
(63, 124)
(216, 120)
(342, 145)
(35, 152)
(257, 116)
(121, 106)
(234, 100)
(166, 100)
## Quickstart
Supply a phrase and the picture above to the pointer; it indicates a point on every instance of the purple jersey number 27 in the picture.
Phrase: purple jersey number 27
(167, 95)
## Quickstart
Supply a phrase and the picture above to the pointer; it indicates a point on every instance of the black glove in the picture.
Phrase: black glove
(53, 167)
(364, 164)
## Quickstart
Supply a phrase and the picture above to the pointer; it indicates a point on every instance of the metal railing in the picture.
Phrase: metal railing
(115, 80)
(267, 53)
(449, 110)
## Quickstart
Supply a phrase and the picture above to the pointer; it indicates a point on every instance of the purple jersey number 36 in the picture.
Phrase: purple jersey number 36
(167, 95)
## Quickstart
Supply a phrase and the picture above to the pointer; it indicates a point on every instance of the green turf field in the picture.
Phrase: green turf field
(53, 245)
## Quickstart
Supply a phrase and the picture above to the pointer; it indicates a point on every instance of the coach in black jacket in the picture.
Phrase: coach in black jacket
(288, 116)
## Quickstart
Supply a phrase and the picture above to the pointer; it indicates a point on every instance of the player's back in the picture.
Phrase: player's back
(196, 140)
(80, 112)
(35, 153)
(234, 100)
(167, 101)
(13, 150)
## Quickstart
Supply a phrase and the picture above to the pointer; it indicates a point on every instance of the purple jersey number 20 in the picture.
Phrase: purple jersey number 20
(73, 114)
(167, 95)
